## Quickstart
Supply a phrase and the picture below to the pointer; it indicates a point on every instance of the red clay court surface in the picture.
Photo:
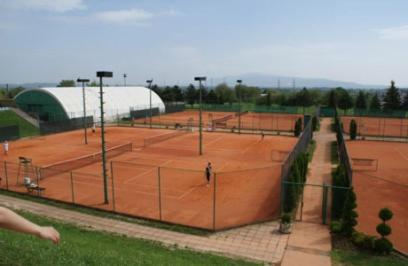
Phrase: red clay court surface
(386, 187)
(249, 121)
(378, 126)
(244, 188)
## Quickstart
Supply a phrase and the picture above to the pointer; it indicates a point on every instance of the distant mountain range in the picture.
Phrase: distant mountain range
(265, 80)
(253, 79)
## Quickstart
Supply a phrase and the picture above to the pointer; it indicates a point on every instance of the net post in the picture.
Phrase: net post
(159, 188)
(6, 175)
(113, 187)
(72, 187)
(38, 179)
(214, 199)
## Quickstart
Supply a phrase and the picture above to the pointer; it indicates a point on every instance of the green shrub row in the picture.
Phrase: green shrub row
(298, 127)
(297, 179)
(339, 179)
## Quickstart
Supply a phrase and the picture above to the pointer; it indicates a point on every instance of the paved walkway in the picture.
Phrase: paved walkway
(260, 242)
(310, 242)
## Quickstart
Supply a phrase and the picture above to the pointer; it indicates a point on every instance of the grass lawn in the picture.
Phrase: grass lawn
(361, 258)
(9, 118)
(82, 247)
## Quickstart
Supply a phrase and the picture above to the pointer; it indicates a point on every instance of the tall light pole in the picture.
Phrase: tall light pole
(200, 126)
(84, 81)
(149, 82)
(100, 75)
(124, 79)
(239, 82)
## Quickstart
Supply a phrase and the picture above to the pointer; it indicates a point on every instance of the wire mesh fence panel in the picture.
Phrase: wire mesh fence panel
(89, 190)
(186, 198)
(3, 175)
(57, 187)
(136, 189)
(16, 174)
(247, 196)
(378, 126)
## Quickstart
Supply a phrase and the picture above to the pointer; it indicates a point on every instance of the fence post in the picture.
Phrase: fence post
(72, 188)
(113, 187)
(6, 175)
(214, 201)
(37, 174)
(159, 187)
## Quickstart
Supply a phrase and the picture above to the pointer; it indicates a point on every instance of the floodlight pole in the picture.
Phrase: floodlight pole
(149, 82)
(239, 82)
(83, 81)
(100, 75)
(200, 124)
(124, 79)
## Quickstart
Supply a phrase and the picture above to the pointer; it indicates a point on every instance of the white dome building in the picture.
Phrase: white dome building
(61, 103)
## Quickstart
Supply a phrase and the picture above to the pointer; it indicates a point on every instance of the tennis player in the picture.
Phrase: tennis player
(5, 147)
(208, 172)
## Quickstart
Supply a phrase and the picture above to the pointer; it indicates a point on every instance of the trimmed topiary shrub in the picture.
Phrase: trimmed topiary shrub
(339, 179)
(383, 245)
(353, 129)
(362, 240)
(349, 214)
(298, 127)
(286, 218)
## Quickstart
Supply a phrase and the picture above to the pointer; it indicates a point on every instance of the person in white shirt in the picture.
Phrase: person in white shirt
(5, 147)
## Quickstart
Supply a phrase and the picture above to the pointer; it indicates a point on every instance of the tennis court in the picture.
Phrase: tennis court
(378, 126)
(157, 174)
(380, 180)
(226, 120)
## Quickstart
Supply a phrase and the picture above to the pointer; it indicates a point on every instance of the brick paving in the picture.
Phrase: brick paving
(259, 242)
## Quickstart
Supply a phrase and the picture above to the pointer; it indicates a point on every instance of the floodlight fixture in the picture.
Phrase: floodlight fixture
(149, 82)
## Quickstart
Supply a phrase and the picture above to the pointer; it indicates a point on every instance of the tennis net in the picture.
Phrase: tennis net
(156, 139)
(75, 163)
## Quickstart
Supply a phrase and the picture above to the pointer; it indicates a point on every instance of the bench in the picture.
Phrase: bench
(38, 189)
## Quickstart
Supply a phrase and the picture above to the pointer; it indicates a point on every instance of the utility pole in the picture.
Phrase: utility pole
(239, 82)
(101, 75)
(84, 81)
(149, 82)
(200, 126)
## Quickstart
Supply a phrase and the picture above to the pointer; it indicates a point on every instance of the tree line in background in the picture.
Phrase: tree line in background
(391, 99)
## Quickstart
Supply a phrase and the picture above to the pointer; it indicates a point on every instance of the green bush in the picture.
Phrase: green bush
(349, 214)
(315, 123)
(286, 218)
(339, 179)
(383, 246)
(335, 227)
(363, 241)
(298, 127)
(353, 129)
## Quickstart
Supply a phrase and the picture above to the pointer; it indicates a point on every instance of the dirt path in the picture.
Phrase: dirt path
(310, 243)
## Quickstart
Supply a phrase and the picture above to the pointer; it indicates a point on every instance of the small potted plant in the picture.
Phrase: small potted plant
(285, 226)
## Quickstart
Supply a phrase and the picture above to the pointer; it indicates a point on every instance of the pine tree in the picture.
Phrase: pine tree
(392, 99)
(375, 103)
(404, 104)
(361, 102)
(349, 218)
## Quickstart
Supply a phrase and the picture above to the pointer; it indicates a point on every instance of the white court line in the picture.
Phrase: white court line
(402, 155)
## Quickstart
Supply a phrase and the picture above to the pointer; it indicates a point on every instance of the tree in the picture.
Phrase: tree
(344, 100)
(375, 103)
(178, 95)
(66, 83)
(303, 98)
(268, 98)
(93, 84)
(298, 127)
(349, 219)
(404, 104)
(353, 129)
(211, 97)
(392, 99)
(361, 102)
(191, 95)
(332, 99)
(224, 93)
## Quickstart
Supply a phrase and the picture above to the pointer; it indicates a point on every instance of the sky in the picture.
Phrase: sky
(364, 41)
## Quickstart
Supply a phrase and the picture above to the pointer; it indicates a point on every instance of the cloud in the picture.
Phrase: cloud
(45, 5)
(124, 16)
(394, 33)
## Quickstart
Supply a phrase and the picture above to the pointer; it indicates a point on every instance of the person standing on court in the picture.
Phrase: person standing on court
(208, 173)
(5, 147)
